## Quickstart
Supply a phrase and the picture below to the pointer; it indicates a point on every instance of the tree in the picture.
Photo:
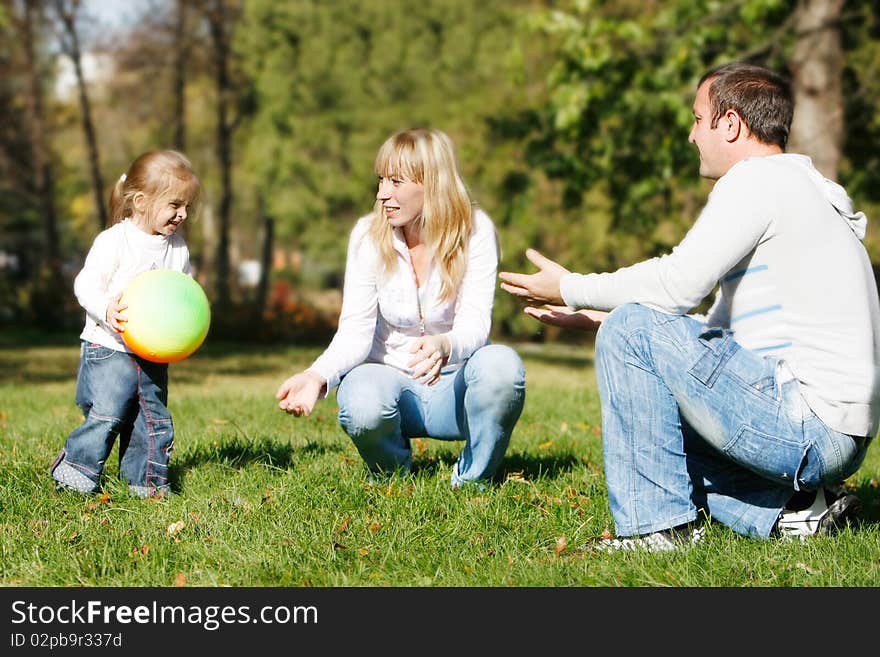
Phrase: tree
(42, 164)
(221, 16)
(69, 38)
(817, 64)
(181, 57)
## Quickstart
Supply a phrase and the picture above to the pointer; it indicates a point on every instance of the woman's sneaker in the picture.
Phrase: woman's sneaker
(831, 510)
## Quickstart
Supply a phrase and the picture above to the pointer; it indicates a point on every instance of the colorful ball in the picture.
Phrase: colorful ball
(168, 315)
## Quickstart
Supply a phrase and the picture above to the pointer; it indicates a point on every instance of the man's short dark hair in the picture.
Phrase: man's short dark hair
(760, 96)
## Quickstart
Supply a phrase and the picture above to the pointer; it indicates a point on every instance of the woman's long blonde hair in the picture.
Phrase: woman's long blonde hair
(427, 156)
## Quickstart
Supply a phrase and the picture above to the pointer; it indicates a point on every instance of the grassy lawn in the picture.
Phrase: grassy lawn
(263, 499)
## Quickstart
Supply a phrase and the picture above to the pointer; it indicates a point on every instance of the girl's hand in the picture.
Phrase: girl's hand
(430, 354)
(115, 318)
(299, 394)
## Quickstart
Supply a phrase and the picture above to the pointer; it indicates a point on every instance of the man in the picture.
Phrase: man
(772, 398)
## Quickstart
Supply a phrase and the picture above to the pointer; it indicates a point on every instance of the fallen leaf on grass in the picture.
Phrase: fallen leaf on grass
(176, 527)
(180, 580)
(807, 569)
(363, 552)
(344, 525)
(374, 527)
(561, 544)
(545, 445)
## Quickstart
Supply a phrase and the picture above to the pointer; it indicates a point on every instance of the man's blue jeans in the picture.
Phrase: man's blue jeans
(691, 420)
(119, 394)
(382, 408)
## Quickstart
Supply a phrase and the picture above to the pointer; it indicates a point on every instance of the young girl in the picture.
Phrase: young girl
(412, 354)
(120, 393)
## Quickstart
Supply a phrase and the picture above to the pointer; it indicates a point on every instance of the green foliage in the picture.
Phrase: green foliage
(263, 499)
(620, 92)
(333, 80)
(571, 121)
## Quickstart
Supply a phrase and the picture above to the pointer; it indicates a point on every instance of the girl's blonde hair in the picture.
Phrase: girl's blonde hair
(160, 175)
(427, 156)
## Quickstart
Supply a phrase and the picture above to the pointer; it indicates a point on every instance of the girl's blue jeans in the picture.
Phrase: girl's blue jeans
(119, 394)
(691, 420)
(382, 408)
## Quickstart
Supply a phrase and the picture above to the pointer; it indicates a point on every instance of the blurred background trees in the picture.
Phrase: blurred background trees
(570, 118)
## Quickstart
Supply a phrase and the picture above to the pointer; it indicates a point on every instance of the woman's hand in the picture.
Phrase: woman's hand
(299, 394)
(430, 354)
(115, 317)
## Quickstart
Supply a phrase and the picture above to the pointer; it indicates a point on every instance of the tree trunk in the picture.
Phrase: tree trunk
(220, 28)
(817, 67)
(181, 53)
(44, 181)
(265, 263)
(67, 14)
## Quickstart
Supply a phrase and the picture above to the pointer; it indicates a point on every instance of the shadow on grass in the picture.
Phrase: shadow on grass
(534, 467)
(869, 495)
(238, 452)
(40, 358)
(572, 360)
(527, 467)
(17, 371)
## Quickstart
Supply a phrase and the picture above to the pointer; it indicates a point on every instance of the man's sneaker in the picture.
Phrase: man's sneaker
(831, 510)
(662, 541)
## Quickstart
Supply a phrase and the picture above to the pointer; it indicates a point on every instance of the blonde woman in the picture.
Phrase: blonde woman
(411, 355)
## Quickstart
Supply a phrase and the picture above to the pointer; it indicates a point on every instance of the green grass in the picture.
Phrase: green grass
(264, 499)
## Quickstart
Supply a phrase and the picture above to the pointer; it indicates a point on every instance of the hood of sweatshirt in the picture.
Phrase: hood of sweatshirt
(835, 193)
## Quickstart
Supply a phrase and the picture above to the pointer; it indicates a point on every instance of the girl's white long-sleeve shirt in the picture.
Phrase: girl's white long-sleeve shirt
(783, 245)
(117, 255)
(381, 315)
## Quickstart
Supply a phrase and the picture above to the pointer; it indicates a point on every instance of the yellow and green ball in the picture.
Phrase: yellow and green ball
(168, 315)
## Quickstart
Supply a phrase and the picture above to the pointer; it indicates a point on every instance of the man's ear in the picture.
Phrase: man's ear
(733, 126)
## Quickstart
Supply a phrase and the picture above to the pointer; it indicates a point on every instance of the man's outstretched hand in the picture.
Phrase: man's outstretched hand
(539, 288)
(584, 319)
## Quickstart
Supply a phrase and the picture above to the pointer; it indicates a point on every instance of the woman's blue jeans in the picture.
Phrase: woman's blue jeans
(119, 394)
(691, 420)
(382, 408)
